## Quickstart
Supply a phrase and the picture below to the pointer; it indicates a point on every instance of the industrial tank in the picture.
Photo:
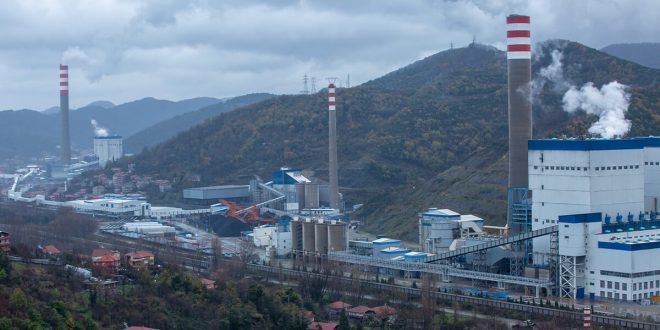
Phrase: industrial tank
(321, 243)
(337, 236)
(308, 236)
(296, 235)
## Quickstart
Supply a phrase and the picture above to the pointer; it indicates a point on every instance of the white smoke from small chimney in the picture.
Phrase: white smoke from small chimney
(609, 103)
(98, 130)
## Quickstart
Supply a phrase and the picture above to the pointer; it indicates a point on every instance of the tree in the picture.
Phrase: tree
(18, 303)
(343, 321)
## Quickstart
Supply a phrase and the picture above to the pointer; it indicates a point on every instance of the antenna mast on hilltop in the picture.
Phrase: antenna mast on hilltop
(313, 85)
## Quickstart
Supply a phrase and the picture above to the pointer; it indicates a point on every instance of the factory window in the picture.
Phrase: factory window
(634, 286)
(625, 167)
(562, 168)
(646, 285)
(646, 296)
(572, 168)
(602, 294)
(597, 168)
(624, 286)
(624, 297)
(542, 187)
(536, 219)
(609, 295)
(657, 284)
(591, 272)
(651, 284)
(565, 226)
(646, 163)
(620, 167)
(636, 166)
(566, 237)
(609, 284)
(616, 296)
(547, 167)
(634, 296)
(552, 167)
(584, 168)
(609, 168)
(616, 285)
(591, 283)
(657, 163)
(536, 167)
(542, 203)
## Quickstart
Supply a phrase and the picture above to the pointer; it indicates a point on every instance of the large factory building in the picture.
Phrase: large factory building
(108, 149)
(602, 194)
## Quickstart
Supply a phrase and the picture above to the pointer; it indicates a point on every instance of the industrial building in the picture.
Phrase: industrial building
(211, 195)
(311, 236)
(275, 238)
(614, 182)
(108, 148)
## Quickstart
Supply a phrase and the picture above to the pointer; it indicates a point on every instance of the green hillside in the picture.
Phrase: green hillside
(431, 134)
(168, 128)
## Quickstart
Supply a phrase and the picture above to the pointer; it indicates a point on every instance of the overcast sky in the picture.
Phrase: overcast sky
(174, 49)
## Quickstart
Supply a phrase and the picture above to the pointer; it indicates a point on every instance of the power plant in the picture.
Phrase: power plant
(65, 142)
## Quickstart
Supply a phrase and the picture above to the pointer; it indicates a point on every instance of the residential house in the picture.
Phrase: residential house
(139, 259)
(105, 258)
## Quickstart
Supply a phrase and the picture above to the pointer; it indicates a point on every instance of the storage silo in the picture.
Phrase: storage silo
(296, 236)
(337, 236)
(312, 196)
(308, 236)
(321, 243)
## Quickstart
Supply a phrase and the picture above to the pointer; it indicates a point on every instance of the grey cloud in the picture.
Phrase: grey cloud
(123, 50)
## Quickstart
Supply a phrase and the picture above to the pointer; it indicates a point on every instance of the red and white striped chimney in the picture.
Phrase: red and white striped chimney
(332, 147)
(587, 318)
(65, 144)
(331, 97)
(64, 79)
(518, 38)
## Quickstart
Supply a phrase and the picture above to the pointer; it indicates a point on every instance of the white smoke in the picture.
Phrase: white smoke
(609, 103)
(98, 130)
(553, 73)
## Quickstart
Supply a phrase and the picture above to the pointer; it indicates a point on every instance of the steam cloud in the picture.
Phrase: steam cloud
(98, 130)
(610, 102)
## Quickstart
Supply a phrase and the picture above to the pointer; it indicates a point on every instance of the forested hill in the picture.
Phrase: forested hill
(168, 128)
(430, 134)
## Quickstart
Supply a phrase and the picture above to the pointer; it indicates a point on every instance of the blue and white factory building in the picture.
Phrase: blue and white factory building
(603, 196)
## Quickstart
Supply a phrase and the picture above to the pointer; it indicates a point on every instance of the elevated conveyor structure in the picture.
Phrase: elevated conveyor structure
(494, 243)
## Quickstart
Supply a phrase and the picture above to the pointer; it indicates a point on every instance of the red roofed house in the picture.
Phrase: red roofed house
(5, 245)
(208, 284)
(50, 250)
(139, 259)
(105, 258)
(335, 308)
(384, 311)
(323, 326)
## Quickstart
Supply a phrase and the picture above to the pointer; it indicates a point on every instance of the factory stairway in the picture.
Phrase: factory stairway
(494, 243)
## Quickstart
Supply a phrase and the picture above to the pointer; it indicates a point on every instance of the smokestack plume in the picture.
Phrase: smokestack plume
(332, 124)
(519, 60)
(65, 144)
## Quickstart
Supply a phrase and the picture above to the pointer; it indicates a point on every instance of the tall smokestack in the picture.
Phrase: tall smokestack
(65, 144)
(332, 124)
(519, 59)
